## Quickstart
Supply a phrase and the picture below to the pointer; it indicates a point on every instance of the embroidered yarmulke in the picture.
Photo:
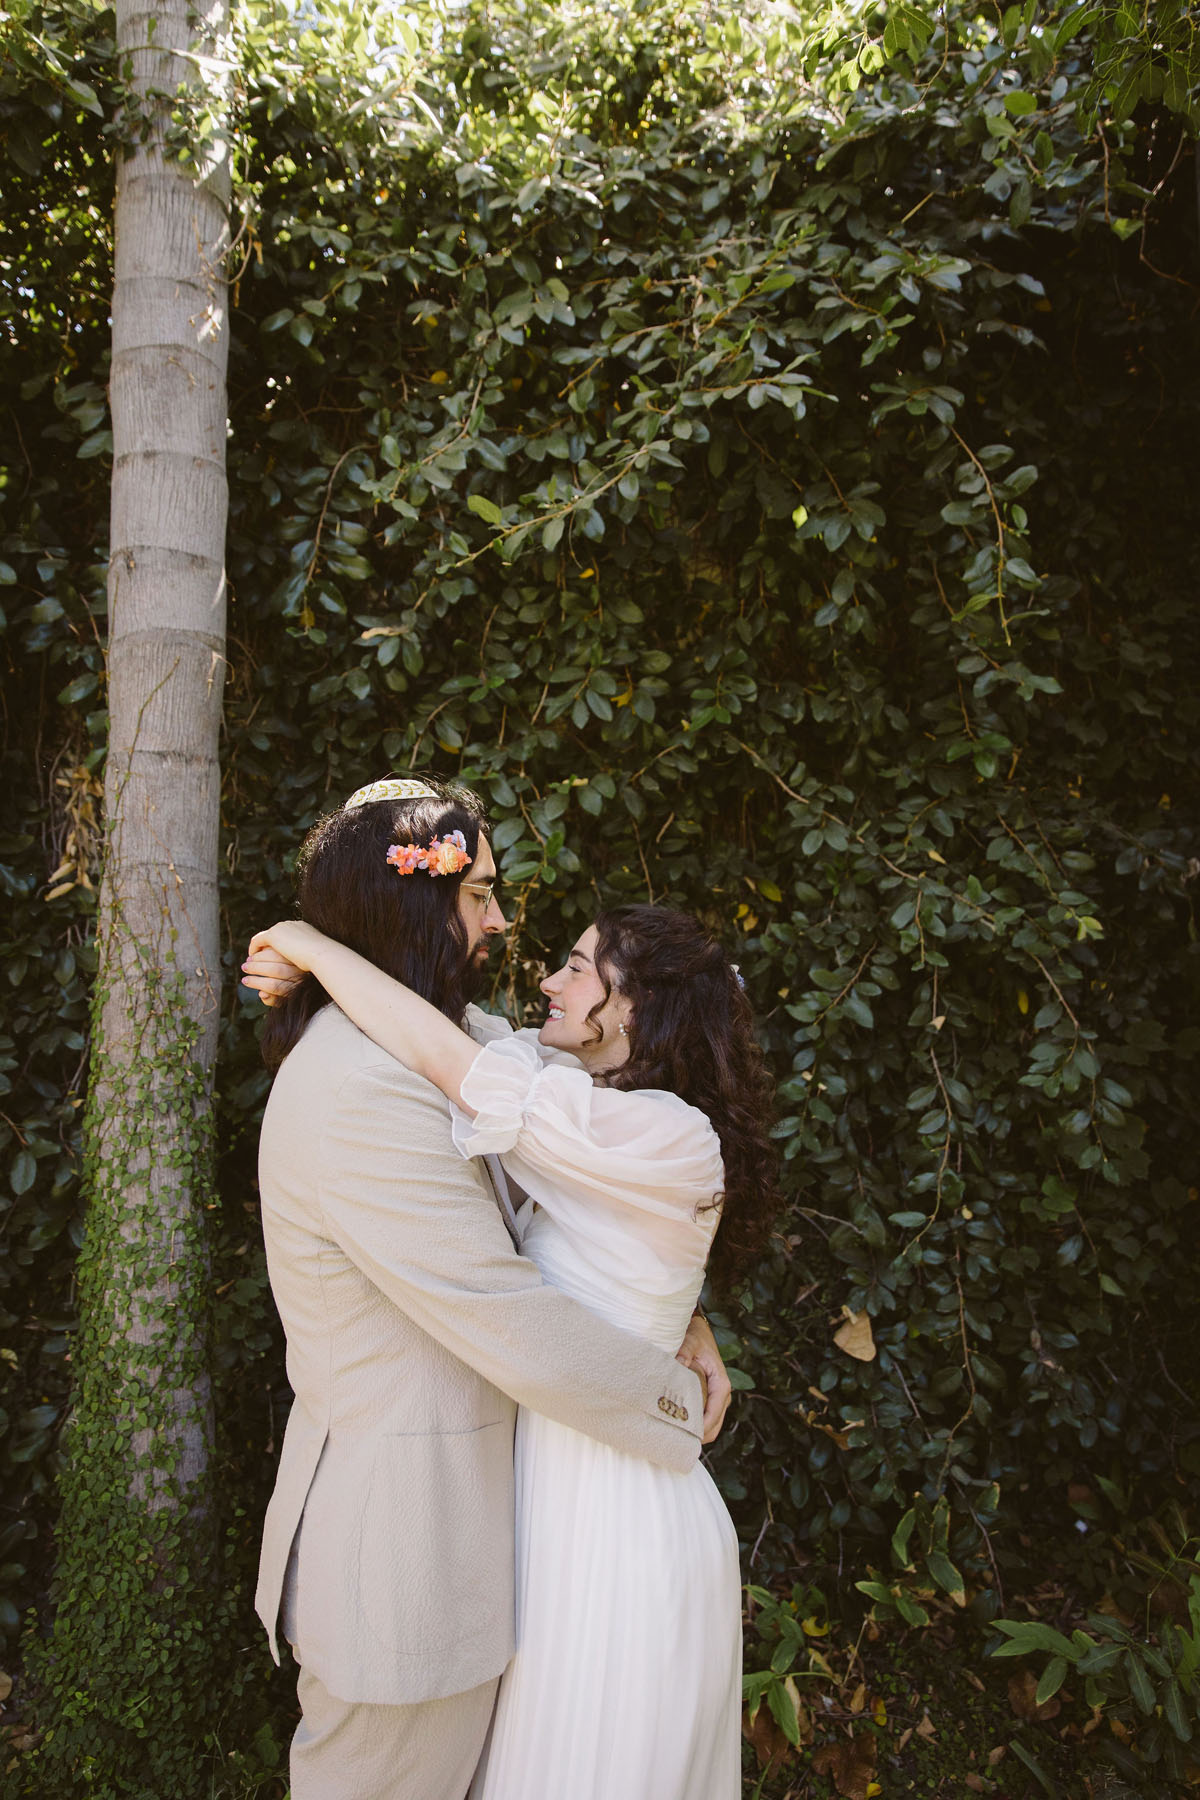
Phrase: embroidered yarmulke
(393, 787)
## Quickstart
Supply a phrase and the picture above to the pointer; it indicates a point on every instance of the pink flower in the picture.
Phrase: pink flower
(445, 856)
(405, 858)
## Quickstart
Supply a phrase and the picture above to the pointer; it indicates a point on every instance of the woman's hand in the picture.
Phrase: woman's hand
(279, 957)
(699, 1352)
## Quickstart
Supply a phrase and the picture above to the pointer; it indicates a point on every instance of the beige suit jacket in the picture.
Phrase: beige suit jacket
(412, 1327)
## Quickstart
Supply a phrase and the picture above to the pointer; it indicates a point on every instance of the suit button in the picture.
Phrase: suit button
(664, 1405)
(683, 1413)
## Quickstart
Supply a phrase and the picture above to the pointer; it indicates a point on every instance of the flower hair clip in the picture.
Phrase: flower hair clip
(444, 856)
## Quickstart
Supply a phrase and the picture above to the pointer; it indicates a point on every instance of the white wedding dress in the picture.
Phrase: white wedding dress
(626, 1683)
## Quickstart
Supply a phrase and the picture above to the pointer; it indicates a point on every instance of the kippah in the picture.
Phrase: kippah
(400, 787)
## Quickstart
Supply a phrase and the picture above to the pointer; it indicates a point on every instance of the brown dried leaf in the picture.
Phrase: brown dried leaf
(978, 1785)
(1169, 1599)
(1022, 1697)
(770, 1745)
(840, 1438)
(855, 1337)
(849, 1766)
(6, 1686)
(926, 1729)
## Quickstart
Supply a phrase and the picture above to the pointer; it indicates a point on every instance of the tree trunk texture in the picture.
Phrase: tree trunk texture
(159, 953)
(126, 1683)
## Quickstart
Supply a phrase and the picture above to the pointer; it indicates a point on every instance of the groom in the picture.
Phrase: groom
(413, 1328)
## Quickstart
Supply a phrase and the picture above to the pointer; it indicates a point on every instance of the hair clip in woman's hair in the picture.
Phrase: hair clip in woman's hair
(737, 975)
(443, 856)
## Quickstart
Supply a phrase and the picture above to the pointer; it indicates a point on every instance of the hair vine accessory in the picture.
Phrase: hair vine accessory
(393, 787)
(737, 975)
(444, 856)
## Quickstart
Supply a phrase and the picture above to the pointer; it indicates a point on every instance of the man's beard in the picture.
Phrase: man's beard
(478, 969)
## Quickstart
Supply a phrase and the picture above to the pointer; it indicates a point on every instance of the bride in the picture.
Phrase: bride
(636, 1122)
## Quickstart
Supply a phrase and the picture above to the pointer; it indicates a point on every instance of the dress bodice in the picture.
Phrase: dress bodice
(598, 1282)
(623, 1187)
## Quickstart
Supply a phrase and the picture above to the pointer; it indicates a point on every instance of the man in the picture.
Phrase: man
(412, 1327)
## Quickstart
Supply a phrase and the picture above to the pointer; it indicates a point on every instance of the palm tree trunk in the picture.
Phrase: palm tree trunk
(136, 1539)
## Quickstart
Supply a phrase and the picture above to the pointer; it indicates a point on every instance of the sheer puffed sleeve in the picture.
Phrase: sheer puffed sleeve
(643, 1163)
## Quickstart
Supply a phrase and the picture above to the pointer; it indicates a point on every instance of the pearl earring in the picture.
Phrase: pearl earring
(621, 1029)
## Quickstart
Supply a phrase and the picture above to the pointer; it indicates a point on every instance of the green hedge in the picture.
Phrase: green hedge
(776, 499)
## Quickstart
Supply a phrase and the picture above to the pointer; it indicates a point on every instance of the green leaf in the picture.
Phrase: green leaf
(910, 1611)
(1033, 1765)
(895, 34)
(485, 509)
(532, 192)
(85, 94)
(856, 1008)
(1139, 1682)
(1053, 1676)
(1031, 1634)
(79, 689)
(904, 1530)
(783, 1712)
(947, 1576)
(23, 1172)
(1176, 1711)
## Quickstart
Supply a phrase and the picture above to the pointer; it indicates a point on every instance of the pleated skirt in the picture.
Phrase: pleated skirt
(626, 1683)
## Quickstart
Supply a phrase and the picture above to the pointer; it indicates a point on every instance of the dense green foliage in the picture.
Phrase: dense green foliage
(125, 1676)
(57, 279)
(774, 494)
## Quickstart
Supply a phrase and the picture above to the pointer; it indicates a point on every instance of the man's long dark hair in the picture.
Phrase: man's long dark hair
(692, 1032)
(407, 925)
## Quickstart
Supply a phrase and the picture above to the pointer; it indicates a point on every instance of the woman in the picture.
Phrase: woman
(635, 1120)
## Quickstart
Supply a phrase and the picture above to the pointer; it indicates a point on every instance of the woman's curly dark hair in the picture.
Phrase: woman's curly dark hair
(692, 1033)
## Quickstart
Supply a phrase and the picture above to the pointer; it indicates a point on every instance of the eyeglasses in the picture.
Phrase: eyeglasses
(484, 888)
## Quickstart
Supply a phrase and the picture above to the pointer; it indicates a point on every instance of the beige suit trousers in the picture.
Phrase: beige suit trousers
(356, 1750)
(353, 1750)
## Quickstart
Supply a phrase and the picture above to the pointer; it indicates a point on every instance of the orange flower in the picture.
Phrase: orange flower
(445, 856)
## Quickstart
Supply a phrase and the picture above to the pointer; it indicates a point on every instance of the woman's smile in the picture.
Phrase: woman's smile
(589, 1011)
